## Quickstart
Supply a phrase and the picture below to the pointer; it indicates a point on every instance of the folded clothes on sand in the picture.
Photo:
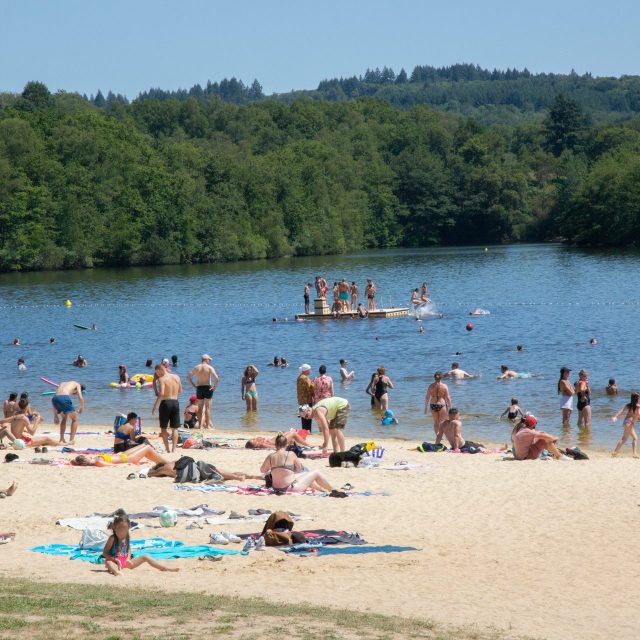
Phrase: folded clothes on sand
(157, 548)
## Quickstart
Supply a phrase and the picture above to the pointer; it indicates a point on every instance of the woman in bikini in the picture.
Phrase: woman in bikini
(438, 401)
(261, 442)
(287, 473)
(583, 393)
(135, 455)
(248, 387)
(633, 413)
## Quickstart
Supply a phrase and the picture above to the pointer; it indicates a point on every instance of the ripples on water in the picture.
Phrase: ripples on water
(550, 298)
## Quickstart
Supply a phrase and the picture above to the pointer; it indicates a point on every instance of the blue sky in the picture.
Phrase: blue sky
(129, 46)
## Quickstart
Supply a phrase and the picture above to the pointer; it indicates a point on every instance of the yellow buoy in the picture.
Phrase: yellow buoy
(67, 303)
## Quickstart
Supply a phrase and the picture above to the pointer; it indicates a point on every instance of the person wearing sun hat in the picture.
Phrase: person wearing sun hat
(305, 389)
(206, 382)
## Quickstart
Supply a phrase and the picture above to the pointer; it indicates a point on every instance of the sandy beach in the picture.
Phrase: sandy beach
(542, 548)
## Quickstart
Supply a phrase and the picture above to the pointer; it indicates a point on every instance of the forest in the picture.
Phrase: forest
(168, 179)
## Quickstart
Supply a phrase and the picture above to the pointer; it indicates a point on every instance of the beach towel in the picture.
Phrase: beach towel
(252, 490)
(307, 550)
(157, 548)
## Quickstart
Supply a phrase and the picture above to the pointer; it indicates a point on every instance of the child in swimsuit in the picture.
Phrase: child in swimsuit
(513, 412)
(117, 551)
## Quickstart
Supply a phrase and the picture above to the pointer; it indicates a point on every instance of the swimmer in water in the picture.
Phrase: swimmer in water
(593, 341)
(421, 330)
(519, 347)
(506, 373)
(52, 340)
(16, 342)
(21, 365)
(456, 373)
(612, 388)
(633, 413)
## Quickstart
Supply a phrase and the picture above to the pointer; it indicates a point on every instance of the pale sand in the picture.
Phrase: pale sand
(541, 548)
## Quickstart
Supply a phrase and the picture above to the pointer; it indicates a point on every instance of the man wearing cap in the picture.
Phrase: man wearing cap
(331, 416)
(306, 391)
(528, 443)
(205, 384)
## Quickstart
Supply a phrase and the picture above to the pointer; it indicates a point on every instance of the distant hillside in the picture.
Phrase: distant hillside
(505, 97)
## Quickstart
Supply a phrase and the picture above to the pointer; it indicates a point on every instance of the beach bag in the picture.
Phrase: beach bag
(277, 529)
(297, 449)
(428, 447)
(338, 458)
(188, 470)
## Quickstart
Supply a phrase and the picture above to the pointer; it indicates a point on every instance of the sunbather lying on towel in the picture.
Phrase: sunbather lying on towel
(135, 455)
(187, 469)
(260, 442)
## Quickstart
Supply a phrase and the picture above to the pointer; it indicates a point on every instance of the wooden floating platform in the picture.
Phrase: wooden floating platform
(395, 312)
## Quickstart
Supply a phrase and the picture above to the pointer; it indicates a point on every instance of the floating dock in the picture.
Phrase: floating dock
(322, 312)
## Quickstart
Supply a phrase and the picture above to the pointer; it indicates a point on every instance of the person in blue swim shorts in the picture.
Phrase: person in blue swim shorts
(62, 403)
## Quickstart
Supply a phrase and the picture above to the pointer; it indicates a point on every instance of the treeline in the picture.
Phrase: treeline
(170, 181)
(495, 96)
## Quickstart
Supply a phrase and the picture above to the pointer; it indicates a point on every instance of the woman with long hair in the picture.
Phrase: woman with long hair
(248, 387)
(633, 413)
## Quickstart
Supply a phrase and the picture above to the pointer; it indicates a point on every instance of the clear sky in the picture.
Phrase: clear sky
(131, 45)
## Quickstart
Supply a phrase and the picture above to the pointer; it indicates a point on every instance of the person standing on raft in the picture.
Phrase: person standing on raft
(62, 403)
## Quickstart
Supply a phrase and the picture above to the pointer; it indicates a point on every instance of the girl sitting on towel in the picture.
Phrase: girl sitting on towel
(117, 551)
(134, 455)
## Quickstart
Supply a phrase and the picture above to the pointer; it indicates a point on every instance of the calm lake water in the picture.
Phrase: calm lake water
(550, 298)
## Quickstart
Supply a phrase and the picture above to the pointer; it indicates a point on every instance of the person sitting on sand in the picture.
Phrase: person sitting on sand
(191, 414)
(456, 373)
(125, 437)
(529, 444)
(287, 473)
(612, 388)
(261, 442)
(452, 430)
(134, 455)
(205, 472)
(117, 550)
(22, 429)
(9, 491)
(34, 417)
(10, 405)
(633, 413)
(63, 404)
(506, 373)
(513, 412)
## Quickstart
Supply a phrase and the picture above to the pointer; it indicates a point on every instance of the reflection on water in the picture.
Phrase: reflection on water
(535, 295)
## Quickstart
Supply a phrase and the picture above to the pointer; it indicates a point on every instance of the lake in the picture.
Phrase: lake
(552, 299)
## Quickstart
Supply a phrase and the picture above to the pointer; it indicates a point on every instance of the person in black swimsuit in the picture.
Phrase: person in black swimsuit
(382, 384)
(125, 437)
(307, 291)
(583, 393)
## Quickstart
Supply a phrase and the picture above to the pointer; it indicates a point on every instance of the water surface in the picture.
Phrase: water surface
(550, 298)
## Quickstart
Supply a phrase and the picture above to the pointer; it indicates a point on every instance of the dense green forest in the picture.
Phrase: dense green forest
(491, 97)
(199, 179)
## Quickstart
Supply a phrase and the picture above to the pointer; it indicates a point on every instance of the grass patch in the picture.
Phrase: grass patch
(38, 610)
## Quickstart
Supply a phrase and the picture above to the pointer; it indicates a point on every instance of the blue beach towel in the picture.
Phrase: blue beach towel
(157, 548)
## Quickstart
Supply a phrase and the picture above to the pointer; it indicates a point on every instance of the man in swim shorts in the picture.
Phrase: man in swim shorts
(62, 403)
(307, 292)
(331, 416)
(370, 292)
(169, 387)
(506, 373)
(205, 384)
(343, 294)
(452, 430)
